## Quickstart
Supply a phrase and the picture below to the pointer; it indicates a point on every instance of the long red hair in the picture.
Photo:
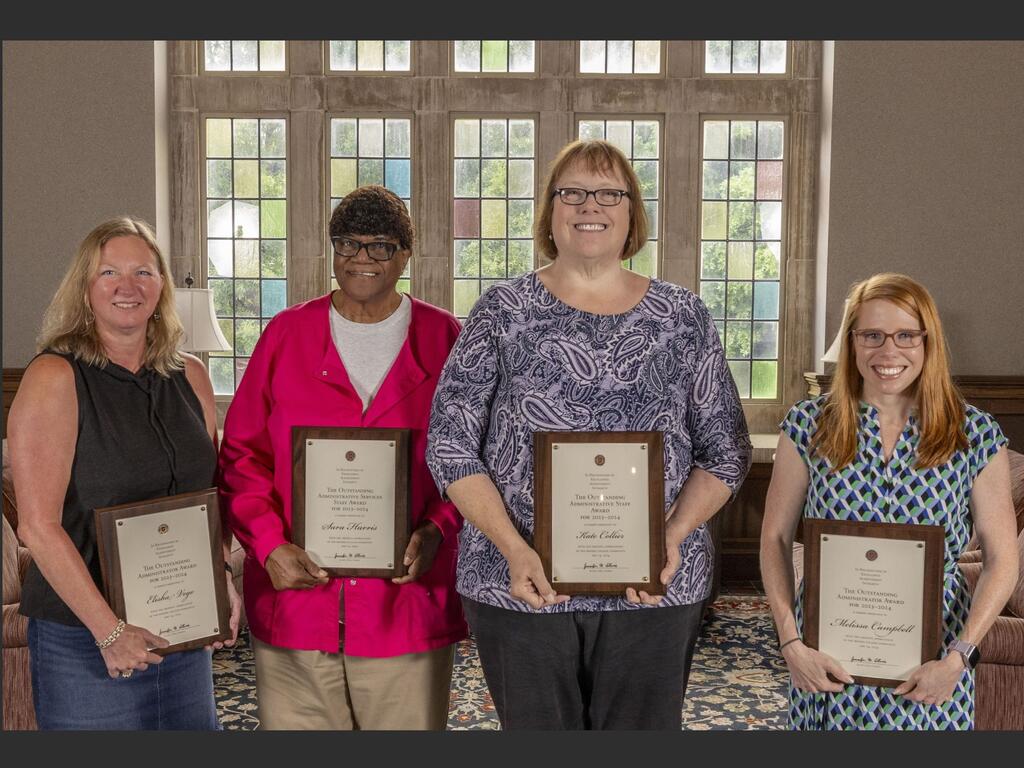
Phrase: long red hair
(940, 406)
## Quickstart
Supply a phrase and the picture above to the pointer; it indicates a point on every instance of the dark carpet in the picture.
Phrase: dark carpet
(738, 679)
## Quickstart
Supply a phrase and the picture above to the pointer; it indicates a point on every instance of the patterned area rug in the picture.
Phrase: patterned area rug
(738, 680)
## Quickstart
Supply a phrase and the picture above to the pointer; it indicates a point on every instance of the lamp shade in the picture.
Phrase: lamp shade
(832, 354)
(202, 331)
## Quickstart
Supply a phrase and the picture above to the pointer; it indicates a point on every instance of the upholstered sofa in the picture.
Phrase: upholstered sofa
(17, 686)
(999, 703)
(18, 713)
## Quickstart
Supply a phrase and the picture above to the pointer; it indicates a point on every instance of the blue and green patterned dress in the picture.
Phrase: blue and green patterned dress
(894, 492)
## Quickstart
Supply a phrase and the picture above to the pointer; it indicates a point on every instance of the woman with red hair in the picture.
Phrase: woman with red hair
(892, 442)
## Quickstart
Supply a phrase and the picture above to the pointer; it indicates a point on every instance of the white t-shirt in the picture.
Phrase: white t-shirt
(368, 350)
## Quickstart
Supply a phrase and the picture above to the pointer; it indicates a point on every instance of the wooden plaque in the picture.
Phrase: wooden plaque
(873, 596)
(162, 563)
(599, 508)
(350, 498)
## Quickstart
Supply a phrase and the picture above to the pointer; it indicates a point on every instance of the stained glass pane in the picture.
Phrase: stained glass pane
(620, 57)
(246, 232)
(640, 141)
(745, 57)
(372, 150)
(370, 55)
(244, 55)
(592, 56)
(741, 234)
(493, 206)
(493, 56)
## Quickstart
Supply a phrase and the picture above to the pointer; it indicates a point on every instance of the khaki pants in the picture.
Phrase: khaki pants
(313, 690)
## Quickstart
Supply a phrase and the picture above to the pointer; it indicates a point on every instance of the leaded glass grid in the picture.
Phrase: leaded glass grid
(493, 204)
(246, 241)
(741, 246)
(369, 56)
(640, 141)
(244, 55)
(371, 150)
(494, 56)
(627, 57)
(744, 57)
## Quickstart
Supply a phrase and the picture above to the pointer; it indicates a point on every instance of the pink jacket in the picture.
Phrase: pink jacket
(295, 377)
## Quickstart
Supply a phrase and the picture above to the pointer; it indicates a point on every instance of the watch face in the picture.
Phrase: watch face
(974, 657)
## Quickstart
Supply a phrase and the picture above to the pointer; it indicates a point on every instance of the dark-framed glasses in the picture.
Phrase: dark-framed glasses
(872, 338)
(378, 250)
(578, 196)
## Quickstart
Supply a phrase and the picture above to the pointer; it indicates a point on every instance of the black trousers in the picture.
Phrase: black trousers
(590, 670)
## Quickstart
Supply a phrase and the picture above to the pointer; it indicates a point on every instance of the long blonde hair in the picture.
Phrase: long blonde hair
(68, 325)
(940, 406)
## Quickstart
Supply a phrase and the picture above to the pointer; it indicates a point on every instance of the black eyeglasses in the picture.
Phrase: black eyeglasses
(872, 338)
(578, 196)
(378, 250)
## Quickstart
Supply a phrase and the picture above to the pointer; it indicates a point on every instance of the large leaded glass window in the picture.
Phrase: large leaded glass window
(741, 246)
(493, 204)
(244, 55)
(371, 151)
(494, 56)
(626, 57)
(744, 57)
(640, 141)
(246, 228)
(369, 56)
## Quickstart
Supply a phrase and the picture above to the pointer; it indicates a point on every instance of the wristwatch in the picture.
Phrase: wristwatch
(970, 653)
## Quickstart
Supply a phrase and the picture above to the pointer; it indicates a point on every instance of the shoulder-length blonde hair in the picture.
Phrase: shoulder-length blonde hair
(596, 156)
(68, 325)
(940, 406)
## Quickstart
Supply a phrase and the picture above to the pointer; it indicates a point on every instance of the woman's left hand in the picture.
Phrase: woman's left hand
(676, 532)
(933, 682)
(419, 555)
(235, 601)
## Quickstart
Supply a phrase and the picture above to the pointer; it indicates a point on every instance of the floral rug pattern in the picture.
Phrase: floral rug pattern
(738, 680)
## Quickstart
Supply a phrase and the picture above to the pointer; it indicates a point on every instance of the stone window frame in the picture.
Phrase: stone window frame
(556, 93)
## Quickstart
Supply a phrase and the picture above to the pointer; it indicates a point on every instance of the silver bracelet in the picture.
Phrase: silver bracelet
(114, 634)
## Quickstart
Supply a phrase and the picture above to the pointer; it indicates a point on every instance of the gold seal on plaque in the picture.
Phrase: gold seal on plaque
(599, 460)
(871, 555)
(350, 456)
(163, 528)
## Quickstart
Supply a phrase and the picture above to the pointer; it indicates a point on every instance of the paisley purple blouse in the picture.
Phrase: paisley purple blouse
(526, 361)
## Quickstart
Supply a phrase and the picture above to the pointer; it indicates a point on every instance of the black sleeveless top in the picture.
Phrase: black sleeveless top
(140, 437)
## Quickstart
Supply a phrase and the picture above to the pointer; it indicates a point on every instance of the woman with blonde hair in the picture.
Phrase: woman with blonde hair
(109, 412)
(892, 442)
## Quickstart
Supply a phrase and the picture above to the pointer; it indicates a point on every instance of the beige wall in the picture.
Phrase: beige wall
(927, 178)
(78, 125)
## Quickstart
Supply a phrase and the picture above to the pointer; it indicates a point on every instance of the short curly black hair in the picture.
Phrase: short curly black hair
(373, 210)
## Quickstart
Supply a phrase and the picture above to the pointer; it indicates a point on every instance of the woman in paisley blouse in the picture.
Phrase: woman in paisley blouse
(892, 442)
(584, 345)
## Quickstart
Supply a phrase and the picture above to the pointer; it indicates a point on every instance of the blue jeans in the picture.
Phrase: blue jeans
(72, 690)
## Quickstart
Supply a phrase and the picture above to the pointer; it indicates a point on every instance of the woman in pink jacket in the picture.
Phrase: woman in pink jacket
(346, 653)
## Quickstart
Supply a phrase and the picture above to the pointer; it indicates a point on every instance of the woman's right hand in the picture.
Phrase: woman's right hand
(289, 567)
(131, 651)
(527, 581)
(810, 669)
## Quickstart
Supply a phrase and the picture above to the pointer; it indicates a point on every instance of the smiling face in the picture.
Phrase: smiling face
(125, 290)
(887, 370)
(590, 231)
(363, 280)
